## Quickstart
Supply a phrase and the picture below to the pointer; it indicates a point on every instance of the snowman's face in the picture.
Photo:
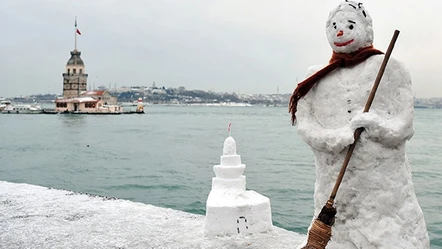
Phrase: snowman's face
(347, 31)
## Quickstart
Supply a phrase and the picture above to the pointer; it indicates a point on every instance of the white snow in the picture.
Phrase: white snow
(376, 203)
(349, 18)
(230, 209)
(229, 147)
(38, 217)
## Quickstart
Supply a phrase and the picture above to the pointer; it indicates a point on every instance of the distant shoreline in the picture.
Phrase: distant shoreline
(201, 98)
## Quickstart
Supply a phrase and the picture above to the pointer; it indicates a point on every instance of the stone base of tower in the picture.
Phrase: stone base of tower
(230, 213)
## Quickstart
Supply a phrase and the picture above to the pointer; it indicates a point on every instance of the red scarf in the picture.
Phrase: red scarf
(337, 60)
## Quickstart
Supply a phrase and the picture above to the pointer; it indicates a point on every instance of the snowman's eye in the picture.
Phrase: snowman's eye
(351, 24)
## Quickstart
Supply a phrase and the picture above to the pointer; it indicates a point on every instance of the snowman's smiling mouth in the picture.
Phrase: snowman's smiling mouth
(341, 44)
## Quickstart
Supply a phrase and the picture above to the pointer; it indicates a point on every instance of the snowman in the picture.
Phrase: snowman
(376, 203)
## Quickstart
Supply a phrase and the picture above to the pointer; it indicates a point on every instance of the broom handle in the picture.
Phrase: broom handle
(366, 109)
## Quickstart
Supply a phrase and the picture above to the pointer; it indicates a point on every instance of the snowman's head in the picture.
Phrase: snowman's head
(349, 27)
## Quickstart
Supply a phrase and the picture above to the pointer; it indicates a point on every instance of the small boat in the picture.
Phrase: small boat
(110, 109)
(3, 104)
(7, 107)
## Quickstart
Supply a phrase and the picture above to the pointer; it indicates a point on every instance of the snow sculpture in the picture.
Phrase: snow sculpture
(376, 203)
(230, 209)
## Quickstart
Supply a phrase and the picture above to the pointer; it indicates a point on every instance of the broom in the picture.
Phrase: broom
(320, 232)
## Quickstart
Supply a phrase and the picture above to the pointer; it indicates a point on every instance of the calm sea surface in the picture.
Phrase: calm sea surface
(165, 157)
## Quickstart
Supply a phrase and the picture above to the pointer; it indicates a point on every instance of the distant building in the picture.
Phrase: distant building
(159, 91)
(75, 78)
(76, 98)
(102, 88)
(85, 104)
(88, 102)
(100, 95)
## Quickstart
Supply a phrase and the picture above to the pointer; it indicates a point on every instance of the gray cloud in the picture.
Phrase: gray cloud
(246, 46)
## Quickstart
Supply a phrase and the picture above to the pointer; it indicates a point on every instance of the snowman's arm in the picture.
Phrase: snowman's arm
(392, 123)
(315, 134)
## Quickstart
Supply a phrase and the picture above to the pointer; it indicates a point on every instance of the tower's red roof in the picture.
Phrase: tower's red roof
(95, 93)
(76, 100)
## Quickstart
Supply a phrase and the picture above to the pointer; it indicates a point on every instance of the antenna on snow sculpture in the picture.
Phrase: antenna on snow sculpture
(228, 129)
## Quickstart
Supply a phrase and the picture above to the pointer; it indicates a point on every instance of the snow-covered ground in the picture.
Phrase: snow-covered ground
(37, 217)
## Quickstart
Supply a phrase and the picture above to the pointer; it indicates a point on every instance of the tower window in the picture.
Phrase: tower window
(81, 71)
(69, 70)
(74, 71)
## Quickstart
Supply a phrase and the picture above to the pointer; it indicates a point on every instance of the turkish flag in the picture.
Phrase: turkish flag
(78, 32)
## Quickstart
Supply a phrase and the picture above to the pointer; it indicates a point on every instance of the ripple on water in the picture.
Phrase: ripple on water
(165, 158)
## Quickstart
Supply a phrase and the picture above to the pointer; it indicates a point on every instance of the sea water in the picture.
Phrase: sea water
(165, 157)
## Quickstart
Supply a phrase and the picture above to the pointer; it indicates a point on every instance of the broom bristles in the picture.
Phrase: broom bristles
(320, 233)
(327, 215)
(318, 236)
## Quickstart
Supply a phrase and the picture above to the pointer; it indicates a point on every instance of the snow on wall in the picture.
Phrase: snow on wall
(38, 217)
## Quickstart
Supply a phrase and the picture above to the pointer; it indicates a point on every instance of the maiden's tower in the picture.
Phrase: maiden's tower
(76, 98)
(75, 78)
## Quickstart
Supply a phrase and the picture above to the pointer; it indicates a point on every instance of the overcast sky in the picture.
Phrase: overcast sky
(242, 46)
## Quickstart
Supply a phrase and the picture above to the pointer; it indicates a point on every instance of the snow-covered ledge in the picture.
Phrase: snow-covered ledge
(37, 217)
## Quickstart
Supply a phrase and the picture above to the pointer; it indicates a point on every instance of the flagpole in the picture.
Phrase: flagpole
(75, 33)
